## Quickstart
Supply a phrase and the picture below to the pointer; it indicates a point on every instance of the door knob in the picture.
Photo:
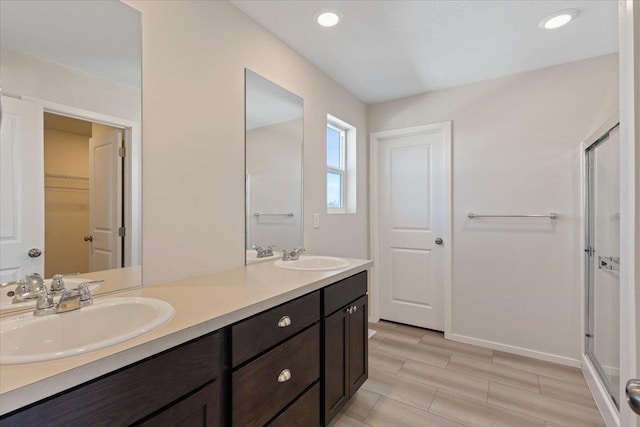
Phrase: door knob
(439, 241)
(34, 252)
(633, 395)
(88, 238)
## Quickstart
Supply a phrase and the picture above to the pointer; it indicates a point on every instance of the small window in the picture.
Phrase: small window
(335, 166)
(341, 166)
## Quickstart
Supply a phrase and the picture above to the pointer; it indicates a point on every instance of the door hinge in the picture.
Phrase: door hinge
(122, 231)
(122, 151)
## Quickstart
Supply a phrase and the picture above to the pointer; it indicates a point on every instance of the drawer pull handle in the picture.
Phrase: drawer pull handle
(284, 322)
(354, 309)
(284, 376)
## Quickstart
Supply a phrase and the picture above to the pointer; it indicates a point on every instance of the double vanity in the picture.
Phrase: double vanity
(257, 345)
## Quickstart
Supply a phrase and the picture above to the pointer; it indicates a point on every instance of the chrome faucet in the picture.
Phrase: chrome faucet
(70, 299)
(291, 255)
(263, 252)
(75, 299)
(27, 289)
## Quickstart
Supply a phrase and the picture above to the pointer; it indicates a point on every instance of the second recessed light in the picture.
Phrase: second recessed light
(558, 19)
(327, 17)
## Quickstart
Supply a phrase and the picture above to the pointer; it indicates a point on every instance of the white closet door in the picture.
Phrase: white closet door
(105, 194)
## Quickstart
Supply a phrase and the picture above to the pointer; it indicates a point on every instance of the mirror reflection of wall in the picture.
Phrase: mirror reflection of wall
(274, 137)
(67, 75)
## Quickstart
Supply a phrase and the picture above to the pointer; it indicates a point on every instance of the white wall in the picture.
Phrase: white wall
(194, 55)
(516, 149)
(27, 75)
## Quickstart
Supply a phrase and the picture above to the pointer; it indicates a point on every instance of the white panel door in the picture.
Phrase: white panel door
(413, 222)
(105, 201)
(21, 188)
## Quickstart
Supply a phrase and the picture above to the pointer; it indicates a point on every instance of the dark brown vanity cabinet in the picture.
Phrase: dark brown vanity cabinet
(292, 365)
(181, 386)
(345, 357)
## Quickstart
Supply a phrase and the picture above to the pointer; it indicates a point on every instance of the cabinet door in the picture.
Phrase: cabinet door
(132, 393)
(336, 360)
(358, 344)
(202, 409)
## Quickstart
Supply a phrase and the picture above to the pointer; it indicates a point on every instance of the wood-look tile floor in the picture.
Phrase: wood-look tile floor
(417, 378)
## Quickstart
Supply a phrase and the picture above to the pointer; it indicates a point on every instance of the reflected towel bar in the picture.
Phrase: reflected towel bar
(552, 215)
(273, 214)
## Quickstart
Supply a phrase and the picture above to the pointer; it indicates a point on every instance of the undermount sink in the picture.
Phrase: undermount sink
(313, 263)
(110, 321)
(6, 296)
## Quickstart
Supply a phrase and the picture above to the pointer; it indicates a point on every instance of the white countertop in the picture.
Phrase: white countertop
(202, 304)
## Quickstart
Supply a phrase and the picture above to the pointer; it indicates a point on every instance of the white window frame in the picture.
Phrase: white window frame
(342, 170)
(348, 166)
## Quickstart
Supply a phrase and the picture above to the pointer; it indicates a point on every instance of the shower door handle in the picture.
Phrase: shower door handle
(633, 395)
(609, 263)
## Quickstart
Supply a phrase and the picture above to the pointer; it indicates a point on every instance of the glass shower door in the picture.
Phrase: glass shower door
(603, 259)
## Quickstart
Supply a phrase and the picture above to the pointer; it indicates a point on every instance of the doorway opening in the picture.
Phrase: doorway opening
(84, 187)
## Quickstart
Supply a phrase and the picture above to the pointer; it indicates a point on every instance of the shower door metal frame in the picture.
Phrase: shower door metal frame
(590, 260)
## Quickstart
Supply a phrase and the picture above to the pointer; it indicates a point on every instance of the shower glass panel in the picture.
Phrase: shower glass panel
(603, 259)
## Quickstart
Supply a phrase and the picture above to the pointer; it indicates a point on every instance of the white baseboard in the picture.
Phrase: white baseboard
(562, 360)
(600, 394)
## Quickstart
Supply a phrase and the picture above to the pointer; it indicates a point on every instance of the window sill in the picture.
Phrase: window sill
(339, 212)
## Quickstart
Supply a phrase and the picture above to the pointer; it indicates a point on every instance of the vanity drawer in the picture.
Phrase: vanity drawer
(259, 393)
(343, 292)
(304, 412)
(252, 336)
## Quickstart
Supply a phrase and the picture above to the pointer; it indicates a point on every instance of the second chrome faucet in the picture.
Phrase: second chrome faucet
(291, 255)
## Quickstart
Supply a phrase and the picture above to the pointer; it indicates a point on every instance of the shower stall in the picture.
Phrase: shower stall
(602, 259)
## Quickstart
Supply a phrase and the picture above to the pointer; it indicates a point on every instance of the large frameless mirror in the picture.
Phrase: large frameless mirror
(273, 142)
(71, 143)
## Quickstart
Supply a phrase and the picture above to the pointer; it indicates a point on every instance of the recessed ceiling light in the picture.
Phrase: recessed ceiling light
(558, 19)
(327, 17)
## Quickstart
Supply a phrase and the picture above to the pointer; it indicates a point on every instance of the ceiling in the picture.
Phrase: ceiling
(100, 37)
(384, 50)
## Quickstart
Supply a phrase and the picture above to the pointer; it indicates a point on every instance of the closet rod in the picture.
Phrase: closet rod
(55, 175)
